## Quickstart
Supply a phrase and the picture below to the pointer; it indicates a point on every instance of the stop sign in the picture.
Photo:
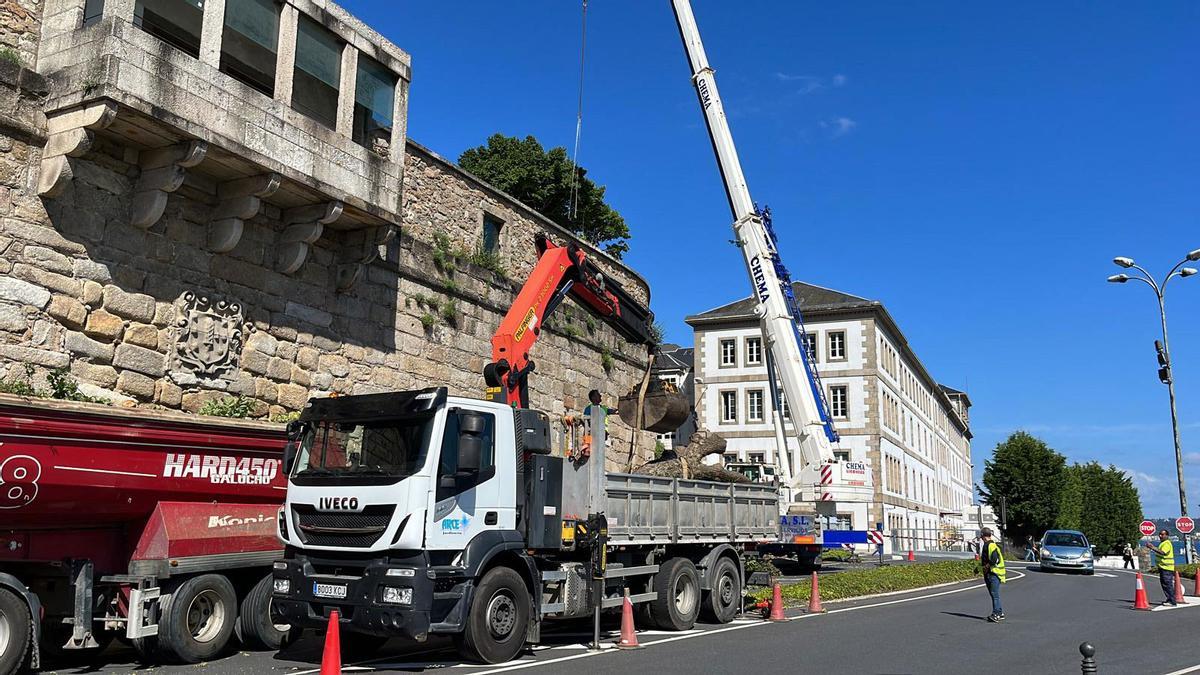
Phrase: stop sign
(1185, 525)
(1147, 527)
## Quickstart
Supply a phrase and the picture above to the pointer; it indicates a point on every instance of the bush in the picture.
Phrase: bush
(427, 320)
(857, 583)
(836, 555)
(757, 564)
(65, 388)
(285, 418)
(229, 406)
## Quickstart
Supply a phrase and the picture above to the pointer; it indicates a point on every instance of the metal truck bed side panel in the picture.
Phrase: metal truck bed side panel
(652, 509)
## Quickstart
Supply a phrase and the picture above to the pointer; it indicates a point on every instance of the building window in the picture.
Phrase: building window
(838, 401)
(249, 43)
(729, 407)
(491, 234)
(754, 405)
(783, 407)
(810, 346)
(92, 11)
(841, 455)
(757, 457)
(374, 101)
(318, 72)
(176, 22)
(837, 345)
(754, 355)
(728, 353)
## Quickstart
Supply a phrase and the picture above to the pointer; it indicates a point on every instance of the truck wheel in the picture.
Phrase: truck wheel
(678, 586)
(198, 619)
(14, 631)
(721, 604)
(499, 618)
(256, 627)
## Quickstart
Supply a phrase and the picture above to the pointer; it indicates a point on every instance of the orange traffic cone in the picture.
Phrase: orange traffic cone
(1196, 588)
(628, 634)
(777, 605)
(911, 557)
(331, 659)
(1179, 589)
(1139, 597)
(814, 598)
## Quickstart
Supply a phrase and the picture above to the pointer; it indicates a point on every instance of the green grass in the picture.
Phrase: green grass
(836, 555)
(10, 55)
(62, 387)
(450, 313)
(285, 418)
(857, 583)
(606, 360)
(428, 320)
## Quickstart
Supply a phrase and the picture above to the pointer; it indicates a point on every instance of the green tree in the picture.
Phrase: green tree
(542, 180)
(1112, 508)
(1029, 476)
(1070, 502)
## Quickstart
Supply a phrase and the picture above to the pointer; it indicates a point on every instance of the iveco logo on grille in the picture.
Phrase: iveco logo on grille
(338, 504)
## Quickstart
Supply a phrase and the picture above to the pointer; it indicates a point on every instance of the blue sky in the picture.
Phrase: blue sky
(973, 167)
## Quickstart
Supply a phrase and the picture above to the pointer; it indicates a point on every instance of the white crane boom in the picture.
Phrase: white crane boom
(773, 311)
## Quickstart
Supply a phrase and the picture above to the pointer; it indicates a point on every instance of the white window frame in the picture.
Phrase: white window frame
(829, 340)
(811, 347)
(845, 390)
(721, 344)
(757, 342)
(729, 395)
(750, 417)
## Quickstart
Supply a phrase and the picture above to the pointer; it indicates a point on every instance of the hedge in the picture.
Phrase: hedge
(857, 583)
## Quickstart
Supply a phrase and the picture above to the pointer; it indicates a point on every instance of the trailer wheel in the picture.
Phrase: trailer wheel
(198, 619)
(721, 604)
(678, 586)
(499, 618)
(14, 631)
(256, 626)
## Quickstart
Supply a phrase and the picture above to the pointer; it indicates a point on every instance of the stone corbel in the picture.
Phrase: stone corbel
(303, 225)
(163, 171)
(240, 200)
(360, 249)
(70, 135)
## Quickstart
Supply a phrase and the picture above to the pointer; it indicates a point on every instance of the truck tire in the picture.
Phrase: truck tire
(256, 627)
(721, 604)
(498, 620)
(197, 621)
(15, 631)
(678, 603)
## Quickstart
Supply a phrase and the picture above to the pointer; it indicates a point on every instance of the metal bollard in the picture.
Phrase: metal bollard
(1088, 665)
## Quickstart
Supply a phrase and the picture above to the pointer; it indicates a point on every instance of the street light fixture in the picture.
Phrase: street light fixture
(1165, 373)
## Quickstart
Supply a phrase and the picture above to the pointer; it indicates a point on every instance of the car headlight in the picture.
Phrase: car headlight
(1047, 555)
(397, 596)
(1087, 555)
(281, 585)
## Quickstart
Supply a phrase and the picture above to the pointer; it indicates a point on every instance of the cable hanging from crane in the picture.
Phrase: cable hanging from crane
(574, 204)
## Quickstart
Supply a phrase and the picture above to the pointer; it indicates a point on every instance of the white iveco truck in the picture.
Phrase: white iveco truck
(416, 514)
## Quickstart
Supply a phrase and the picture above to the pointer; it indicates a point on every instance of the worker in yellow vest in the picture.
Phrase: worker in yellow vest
(1166, 565)
(994, 573)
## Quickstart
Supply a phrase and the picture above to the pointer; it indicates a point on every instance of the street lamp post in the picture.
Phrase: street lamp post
(1164, 357)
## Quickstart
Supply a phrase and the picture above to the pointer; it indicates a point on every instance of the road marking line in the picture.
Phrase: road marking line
(1185, 670)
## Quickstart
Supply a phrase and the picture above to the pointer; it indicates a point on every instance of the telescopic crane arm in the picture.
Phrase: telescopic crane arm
(813, 428)
(560, 270)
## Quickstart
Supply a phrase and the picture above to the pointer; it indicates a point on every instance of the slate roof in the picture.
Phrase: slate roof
(812, 299)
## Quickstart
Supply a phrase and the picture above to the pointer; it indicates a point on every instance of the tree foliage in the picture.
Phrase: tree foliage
(542, 180)
(1030, 477)
(1112, 508)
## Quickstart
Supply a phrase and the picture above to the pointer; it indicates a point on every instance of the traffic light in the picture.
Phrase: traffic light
(1164, 366)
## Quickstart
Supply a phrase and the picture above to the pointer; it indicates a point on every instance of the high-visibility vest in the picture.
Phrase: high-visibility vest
(998, 568)
(1166, 556)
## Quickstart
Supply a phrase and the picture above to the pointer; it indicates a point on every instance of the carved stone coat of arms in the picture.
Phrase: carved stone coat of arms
(209, 333)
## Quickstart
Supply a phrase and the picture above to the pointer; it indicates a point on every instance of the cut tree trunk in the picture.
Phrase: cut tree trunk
(688, 461)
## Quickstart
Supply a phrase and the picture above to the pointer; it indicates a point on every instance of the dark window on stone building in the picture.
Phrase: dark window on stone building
(92, 11)
(250, 41)
(176, 22)
(318, 72)
(491, 234)
(374, 99)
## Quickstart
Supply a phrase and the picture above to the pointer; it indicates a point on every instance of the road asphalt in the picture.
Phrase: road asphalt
(940, 630)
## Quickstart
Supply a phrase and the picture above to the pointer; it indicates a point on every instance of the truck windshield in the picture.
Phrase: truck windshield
(392, 448)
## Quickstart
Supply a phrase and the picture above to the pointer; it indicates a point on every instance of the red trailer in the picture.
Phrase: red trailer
(156, 526)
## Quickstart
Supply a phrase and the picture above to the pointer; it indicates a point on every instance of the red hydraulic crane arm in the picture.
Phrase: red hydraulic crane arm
(560, 270)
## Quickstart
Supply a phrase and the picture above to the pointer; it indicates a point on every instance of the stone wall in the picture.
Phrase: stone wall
(20, 23)
(152, 318)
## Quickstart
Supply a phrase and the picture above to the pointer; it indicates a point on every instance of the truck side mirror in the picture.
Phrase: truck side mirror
(470, 445)
(294, 431)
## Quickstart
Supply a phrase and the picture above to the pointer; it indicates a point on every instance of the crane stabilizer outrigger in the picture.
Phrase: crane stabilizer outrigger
(776, 307)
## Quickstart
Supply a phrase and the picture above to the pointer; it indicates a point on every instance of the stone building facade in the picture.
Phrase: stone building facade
(890, 413)
(174, 231)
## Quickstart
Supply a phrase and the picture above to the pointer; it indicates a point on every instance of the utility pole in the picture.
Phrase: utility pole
(1165, 374)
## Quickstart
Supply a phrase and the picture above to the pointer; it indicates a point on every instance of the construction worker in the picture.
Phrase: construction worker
(994, 573)
(1166, 565)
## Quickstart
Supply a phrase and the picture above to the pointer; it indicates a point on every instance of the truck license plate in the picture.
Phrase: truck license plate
(330, 591)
